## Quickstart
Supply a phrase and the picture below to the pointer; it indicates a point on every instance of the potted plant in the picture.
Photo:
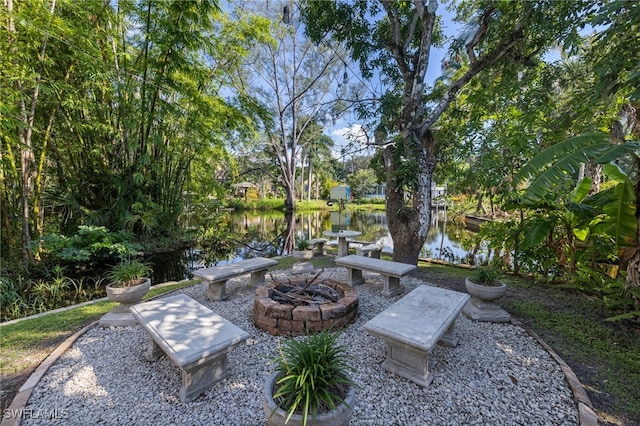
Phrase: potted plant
(301, 250)
(311, 383)
(128, 283)
(485, 286)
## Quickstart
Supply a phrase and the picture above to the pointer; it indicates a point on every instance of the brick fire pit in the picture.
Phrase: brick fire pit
(282, 319)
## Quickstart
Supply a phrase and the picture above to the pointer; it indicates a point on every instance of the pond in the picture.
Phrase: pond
(265, 234)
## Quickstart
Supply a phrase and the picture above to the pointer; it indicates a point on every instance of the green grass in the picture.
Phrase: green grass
(277, 204)
(19, 341)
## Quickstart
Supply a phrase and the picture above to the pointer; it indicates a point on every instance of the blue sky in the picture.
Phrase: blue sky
(451, 29)
(342, 126)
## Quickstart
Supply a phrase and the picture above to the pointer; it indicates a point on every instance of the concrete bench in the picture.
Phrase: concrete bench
(390, 271)
(195, 338)
(370, 249)
(217, 276)
(413, 325)
(318, 246)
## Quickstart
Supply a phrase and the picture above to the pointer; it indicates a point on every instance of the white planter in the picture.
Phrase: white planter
(481, 307)
(125, 296)
(302, 255)
(128, 295)
(485, 292)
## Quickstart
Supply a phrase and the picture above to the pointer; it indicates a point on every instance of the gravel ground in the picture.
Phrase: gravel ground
(497, 375)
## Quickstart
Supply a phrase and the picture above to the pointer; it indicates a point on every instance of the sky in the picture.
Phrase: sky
(349, 124)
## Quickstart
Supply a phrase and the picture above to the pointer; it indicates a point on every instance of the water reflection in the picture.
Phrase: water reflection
(272, 234)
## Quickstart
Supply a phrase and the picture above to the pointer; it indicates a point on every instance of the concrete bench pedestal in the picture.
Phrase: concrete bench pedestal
(195, 338)
(318, 246)
(413, 325)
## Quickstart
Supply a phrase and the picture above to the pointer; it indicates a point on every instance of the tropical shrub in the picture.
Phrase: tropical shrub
(91, 245)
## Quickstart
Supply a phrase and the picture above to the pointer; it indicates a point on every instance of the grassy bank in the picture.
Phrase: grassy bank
(277, 204)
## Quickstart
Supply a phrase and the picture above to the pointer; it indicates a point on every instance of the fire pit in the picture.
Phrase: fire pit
(292, 306)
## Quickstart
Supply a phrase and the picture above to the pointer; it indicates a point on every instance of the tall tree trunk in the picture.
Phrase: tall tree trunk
(309, 180)
(409, 223)
(25, 135)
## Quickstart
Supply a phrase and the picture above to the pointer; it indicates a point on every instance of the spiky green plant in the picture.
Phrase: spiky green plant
(313, 375)
(302, 243)
(128, 272)
(486, 275)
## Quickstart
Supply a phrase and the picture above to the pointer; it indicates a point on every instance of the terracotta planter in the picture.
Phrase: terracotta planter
(485, 292)
(277, 416)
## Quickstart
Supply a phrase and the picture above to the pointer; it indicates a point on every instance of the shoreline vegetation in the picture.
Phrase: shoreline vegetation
(604, 355)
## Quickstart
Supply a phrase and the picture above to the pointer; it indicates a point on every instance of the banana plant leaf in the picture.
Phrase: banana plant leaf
(558, 163)
(618, 204)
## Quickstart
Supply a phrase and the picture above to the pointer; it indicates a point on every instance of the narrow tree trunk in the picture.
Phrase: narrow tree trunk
(309, 182)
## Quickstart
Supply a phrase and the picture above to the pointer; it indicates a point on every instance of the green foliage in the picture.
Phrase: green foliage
(313, 375)
(20, 298)
(560, 162)
(11, 303)
(486, 275)
(302, 242)
(90, 245)
(361, 182)
(618, 205)
(128, 272)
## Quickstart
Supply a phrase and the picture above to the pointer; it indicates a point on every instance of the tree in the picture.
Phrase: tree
(361, 182)
(396, 39)
(112, 104)
(295, 82)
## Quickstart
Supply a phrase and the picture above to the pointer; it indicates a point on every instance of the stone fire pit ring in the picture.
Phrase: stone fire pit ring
(281, 319)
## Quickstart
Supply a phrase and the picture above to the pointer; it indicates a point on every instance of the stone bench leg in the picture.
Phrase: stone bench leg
(375, 254)
(408, 362)
(354, 276)
(257, 278)
(390, 286)
(217, 291)
(319, 249)
(198, 378)
(449, 337)
(153, 351)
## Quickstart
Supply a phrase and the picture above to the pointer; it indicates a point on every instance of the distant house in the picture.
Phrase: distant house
(438, 191)
(379, 191)
(340, 192)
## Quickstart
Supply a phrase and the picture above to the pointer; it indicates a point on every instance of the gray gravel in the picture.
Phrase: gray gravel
(497, 375)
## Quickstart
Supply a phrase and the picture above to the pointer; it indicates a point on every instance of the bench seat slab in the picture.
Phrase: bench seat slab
(217, 276)
(391, 271)
(413, 325)
(195, 338)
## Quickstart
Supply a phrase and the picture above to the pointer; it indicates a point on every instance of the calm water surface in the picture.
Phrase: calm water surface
(263, 234)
